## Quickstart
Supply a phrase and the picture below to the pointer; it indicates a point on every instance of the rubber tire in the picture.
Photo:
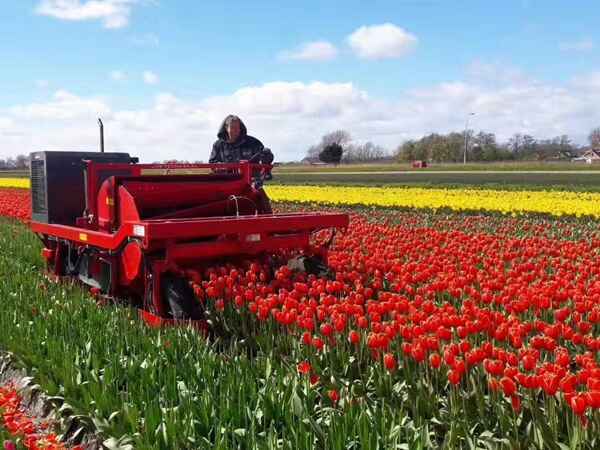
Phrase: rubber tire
(180, 299)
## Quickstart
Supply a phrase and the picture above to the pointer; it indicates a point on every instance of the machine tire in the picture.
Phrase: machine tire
(180, 299)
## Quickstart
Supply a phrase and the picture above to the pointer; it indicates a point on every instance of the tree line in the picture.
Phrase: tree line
(483, 146)
(19, 162)
(337, 147)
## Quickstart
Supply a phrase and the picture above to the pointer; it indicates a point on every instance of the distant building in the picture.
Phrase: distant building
(590, 156)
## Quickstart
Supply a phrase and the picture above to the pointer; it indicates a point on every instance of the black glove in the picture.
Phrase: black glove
(266, 156)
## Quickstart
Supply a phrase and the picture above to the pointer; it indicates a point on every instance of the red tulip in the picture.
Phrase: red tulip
(304, 367)
(435, 360)
(578, 404)
(333, 395)
(508, 386)
(389, 361)
(454, 377)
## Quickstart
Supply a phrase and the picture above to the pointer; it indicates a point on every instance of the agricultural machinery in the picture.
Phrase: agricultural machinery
(129, 230)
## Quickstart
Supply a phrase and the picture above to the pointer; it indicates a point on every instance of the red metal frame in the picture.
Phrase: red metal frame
(157, 232)
(119, 196)
(95, 170)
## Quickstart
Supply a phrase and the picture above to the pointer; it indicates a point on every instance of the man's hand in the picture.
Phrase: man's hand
(266, 156)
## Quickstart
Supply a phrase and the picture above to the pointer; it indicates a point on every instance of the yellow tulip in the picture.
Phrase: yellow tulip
(556, 203)
(15, 182)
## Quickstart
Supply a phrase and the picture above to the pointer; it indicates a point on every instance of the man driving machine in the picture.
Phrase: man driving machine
(234, 144)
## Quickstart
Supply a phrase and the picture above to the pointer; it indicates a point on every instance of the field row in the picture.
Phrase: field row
(511, 202)
(566, 181)
(555, 203)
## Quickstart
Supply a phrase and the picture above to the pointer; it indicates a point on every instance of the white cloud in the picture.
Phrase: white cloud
(118, 75)
(150, 77)
(145, 40)
(382, 41)
(6, 123)
(588, 81)
(112, 13)
(63, 106)
(583, 45)
(42, 84)
(311, 51)
(290, 116)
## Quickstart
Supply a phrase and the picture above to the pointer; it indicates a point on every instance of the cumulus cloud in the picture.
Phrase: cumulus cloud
(6, 123)
(63, 106)
(112, 13)
(583, 45)
(588, 81)
(150, 77)
(290, 116)
(311, 51)
(117, 75)
(382, 41)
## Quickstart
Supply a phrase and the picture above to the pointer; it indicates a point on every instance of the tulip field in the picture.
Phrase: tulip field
(453, 318)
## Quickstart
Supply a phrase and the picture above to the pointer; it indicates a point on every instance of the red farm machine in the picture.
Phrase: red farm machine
(127, 229)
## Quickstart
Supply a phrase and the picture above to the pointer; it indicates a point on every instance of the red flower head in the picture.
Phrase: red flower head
(389, 361)
(333, 395)
(304, 367)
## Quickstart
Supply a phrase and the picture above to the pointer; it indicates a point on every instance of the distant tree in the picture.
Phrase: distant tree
(406, 151)
(477, 153)
(21, 162)
(455, 146)
(339, 137)
(559, 147)
(488, 147)
(312, 154)
(529, 145)
(366, 152)
(332, 153)
(594, 138)
(515, 144)
(450, 147)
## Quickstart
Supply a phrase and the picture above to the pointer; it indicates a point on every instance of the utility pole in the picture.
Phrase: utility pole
(467, 137)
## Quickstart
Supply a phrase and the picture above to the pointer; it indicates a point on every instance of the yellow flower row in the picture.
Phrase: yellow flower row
(14, 182)
(556, 203)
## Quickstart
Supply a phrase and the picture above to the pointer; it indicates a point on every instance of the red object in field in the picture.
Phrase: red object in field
(419, 164)
(140, 225)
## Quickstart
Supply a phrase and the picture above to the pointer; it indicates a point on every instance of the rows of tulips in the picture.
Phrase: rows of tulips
(511, 202)
(526, 313)
(480, 320)
(15, 202)
(26, 431)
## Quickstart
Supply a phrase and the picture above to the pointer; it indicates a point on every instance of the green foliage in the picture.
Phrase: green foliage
(332, 154)
(483, 147)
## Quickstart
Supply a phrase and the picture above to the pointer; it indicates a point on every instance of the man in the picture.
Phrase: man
(234, 144)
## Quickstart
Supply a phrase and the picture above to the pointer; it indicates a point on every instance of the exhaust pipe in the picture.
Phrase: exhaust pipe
(101, 135)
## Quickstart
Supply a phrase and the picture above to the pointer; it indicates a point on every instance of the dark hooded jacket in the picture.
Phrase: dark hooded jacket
(245, 148)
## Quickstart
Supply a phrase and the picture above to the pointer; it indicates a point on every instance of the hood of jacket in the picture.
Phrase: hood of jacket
(222, 134)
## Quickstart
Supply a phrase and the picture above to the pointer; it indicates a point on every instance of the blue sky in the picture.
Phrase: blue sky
(523, 66)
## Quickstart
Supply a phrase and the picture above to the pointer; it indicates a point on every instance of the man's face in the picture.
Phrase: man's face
(233, 130)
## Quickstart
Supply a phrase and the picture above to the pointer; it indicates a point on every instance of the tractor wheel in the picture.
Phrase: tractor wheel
(180, 299)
